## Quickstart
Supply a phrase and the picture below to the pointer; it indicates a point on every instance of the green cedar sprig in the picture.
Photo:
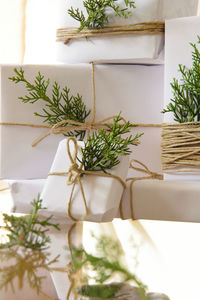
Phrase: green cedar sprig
(103, 266)
(61, 106)
(97, 12)
(102, 149)
(28, 231)
(185, 104)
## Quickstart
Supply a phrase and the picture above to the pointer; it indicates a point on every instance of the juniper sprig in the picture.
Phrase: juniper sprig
(97, 12)
(185, 104)
(28, 231)
(103, 148)
(61, 106)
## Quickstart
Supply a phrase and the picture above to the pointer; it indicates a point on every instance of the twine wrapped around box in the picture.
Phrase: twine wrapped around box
(64, 126)
(181, 147)
(68, 33)
(145, 170)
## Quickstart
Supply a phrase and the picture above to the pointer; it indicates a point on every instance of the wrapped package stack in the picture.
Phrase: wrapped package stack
(126, 79)
(108, 95)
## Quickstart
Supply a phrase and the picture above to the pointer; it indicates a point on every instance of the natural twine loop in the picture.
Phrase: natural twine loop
(180, 147)
(58, 128)
(72, 125)
(74, 176)
(145, 170)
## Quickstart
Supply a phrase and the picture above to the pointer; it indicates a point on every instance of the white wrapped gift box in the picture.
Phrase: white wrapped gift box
(41, 45)
(152, 199)
(19, 160)
(163, 200)
(102, 194)
(23, 192)
(121, 49)
(137, 91)
(127, 48)
(178, 51)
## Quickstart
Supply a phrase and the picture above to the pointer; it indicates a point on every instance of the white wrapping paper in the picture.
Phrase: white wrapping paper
(102, 194)
(178, 51)
(41, 45)
(137, 91)
(19, 160)
(123, 49)
(127, 48)
(164, 200)
(23, 192)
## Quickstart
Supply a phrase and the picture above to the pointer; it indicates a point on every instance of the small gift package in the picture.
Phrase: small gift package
(116, 88)
(72, 193)
(180, 135)
(142, 44)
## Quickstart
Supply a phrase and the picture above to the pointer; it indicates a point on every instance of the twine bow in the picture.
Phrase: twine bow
(145, 170)
(74, 176)
(58, 128)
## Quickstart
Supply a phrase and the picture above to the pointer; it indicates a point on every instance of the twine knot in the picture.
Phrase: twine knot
(144, 169)
(73, 173)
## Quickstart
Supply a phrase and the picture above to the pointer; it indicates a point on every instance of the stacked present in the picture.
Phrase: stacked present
(80, 125)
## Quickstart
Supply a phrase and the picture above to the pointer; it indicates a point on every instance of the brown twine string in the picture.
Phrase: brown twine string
(58, 128)
(145, 170)
(180, 147)
(74, 176)
(68, 33)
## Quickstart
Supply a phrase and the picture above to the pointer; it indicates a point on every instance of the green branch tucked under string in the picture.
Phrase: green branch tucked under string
(103, 148)
(185, 104)
(97, 16)
(61, 106)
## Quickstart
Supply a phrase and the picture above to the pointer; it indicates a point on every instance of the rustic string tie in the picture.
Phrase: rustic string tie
(68, 33)
(71, 125)
(145, 170)
(59, 127)
(74, 176)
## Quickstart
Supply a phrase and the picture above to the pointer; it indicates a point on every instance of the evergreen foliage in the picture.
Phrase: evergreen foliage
(61, 106)
(102, 149)
(97, 12)
(28, 231)
(185, 104)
